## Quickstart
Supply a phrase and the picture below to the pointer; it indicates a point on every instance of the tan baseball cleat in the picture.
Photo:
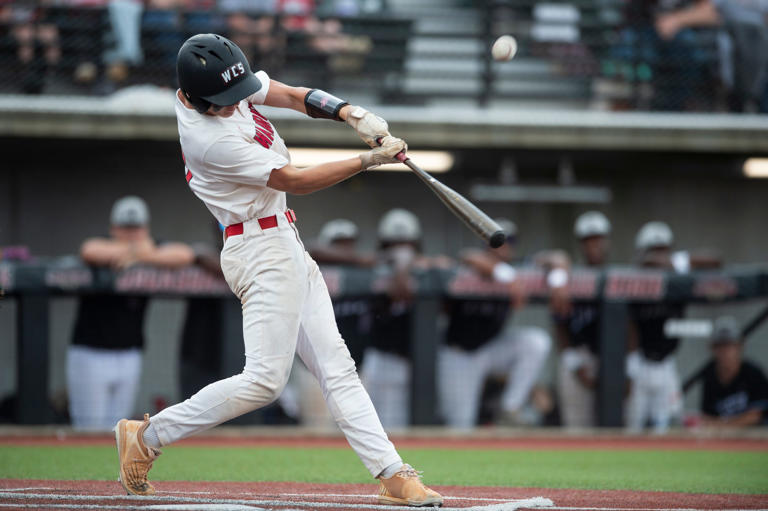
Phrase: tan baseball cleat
(406, 489)
(135, 457)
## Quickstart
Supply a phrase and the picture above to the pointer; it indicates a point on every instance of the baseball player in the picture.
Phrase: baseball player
(337, 245)
(655, 394)
(105, 357)
(577, 330)
(478, 342)
(238, 165)
(386, 370)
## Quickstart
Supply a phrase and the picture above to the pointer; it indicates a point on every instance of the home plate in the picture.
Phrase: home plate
(514, 504)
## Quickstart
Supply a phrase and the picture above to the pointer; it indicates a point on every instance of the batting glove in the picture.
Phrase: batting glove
(369, 127)
(386, 153)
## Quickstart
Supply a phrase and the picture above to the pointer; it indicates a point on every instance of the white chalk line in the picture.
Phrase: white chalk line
(507, 506)
(27, 489)
(568, 508)
(195, 507)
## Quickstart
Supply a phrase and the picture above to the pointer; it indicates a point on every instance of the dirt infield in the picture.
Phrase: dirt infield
(47, 494)
(523, 442)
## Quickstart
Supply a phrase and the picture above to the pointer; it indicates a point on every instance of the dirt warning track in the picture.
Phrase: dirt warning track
(176, 495)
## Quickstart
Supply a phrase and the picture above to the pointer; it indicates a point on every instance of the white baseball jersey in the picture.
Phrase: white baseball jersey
(229, 160)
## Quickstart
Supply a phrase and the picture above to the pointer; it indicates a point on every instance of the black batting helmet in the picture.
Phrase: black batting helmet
(213, 70)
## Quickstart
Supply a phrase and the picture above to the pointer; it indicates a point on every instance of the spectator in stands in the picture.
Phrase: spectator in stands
(667, 74)
(479, 341)
(161, 29)
(735, 390)
(337, 245)
(253, 26)
(104, 360)
(743, 45)
(125, 21)
(577, 329)
(386, 371)
(36, 38)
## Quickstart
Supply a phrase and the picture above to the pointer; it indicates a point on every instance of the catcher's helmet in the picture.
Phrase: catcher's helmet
(213, 70)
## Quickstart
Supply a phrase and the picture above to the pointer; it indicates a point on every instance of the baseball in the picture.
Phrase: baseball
(504, 48)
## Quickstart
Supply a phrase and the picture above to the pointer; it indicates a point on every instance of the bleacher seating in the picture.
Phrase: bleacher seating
(575, 53)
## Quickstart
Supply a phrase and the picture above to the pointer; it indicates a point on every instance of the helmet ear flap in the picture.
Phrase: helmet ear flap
(200, 104)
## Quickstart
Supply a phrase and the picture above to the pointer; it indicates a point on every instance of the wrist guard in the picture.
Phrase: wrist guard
(321, 105)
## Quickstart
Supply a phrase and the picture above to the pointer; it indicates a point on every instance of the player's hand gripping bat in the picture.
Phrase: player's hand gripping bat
(480, 223)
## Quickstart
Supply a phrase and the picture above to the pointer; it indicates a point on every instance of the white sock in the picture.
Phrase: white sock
(391, 470)
(150, 437)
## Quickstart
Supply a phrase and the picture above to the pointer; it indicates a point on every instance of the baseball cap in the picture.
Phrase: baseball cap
(725, 330)
(654, 234)
(591, 223)
(508, 226)
(338, 229)
(130, 211)
(399, 225)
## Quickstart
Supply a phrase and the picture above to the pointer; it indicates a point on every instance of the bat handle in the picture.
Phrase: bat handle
(400, 156)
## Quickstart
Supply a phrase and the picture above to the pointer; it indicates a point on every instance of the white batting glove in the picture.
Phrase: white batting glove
(390, 147)
(369, 127)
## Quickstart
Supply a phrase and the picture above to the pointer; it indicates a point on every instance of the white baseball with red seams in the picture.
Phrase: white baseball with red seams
(286, 305)
(504, 48)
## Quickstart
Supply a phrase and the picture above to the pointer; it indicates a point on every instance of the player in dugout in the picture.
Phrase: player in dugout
(480, 341)
(655, 395)
(577, 328)
(386, 370)
(735, 390)
(239, 166)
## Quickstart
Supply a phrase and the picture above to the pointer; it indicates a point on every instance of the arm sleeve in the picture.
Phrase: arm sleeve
(234, 160)
(258, 97)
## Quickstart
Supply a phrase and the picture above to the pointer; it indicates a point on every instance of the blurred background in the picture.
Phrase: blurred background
(622, 148)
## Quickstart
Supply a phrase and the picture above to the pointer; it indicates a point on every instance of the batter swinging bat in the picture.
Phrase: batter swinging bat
(480, 223)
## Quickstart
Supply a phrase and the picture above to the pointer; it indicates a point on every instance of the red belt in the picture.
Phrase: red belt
(267, 222)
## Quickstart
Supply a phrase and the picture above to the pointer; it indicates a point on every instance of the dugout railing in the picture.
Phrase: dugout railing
(34, 284)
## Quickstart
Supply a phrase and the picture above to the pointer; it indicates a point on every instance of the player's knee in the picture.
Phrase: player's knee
(266, 383)
(538, 342)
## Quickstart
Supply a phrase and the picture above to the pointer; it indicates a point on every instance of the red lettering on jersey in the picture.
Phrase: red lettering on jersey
(265, 134)
(189, 175)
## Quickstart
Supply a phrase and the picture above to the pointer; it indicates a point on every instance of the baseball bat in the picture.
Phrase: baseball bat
(477, 221)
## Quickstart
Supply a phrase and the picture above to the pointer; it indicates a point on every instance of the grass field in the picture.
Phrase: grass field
(660, 470)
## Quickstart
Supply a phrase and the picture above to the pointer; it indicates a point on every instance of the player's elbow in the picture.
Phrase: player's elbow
(94, 251)
(291, 180)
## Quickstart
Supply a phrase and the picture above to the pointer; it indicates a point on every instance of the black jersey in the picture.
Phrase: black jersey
(391, 326)
(353, 317)
(110, 321)
(201, 334)
(474, 322)
(583, 326)
(748, 390)
(650, 319)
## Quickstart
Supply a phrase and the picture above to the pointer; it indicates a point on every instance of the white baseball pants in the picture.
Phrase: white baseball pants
(388, 379)
(655, 394)
(286, 310)
(577, 402)
(519, 352)
(102, 385)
